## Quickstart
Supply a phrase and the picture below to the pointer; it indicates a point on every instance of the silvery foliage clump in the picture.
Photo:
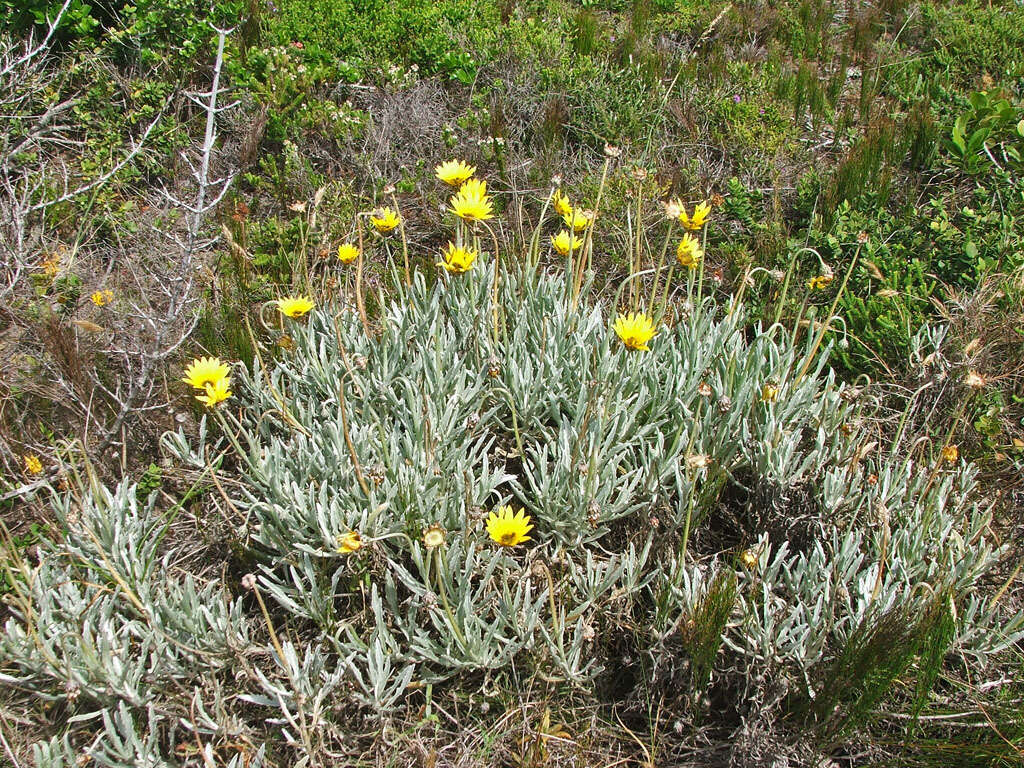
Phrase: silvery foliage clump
(106, 625)
(437, 418)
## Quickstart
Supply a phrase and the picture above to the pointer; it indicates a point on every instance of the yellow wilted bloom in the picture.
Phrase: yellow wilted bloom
(577, 220)
(205, 370)
(819, 282)
(215, 393)
(457, 260)
(560, 202)
(100, 298)
(508, 528)
(472, 203)
(349, 542)
(769, 393)
(635, 330)
(454, 172)
(33, 465)
(294, 306)
(384, 219)
(950, 453)
(749, 559)
(700, 215)
(566, 241)
(347, 253)
(688, 252)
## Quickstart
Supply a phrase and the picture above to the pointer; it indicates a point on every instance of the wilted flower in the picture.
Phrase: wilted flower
(950, 453)
(704, 389)
(578, 220)
(384, 219)
(769, 393)
(101, 298)
(700, 214)
(433, 536)
(673, 208)
(974, 380)
(635, 330)
(205, 370)
(507, 528)
(349, 542)
(610, 150)
(33, 465)
(689, 252)
(457, 260)
(749, 559)
(248, 581)
(294, 306)
(454, 172)
(697, 461)
(566, 241)
(347, 253)
(560, 202)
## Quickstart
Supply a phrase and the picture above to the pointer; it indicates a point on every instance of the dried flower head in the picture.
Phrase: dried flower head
(974, 380)
(433, 536)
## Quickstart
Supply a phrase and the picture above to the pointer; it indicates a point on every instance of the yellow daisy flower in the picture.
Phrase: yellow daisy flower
(454, 172)
(560, 202)
(577, 220)
(819, 282)
(205, 370)
(347, 253)
(472, 203)
(33, 465)
(688, 252)
(566, 241)
(215, 393)
(635, 330)
(700, 215)
(384, 220)
(507, 528)
(101, 298)
(294, 306)
(350, 542)
(457, 260)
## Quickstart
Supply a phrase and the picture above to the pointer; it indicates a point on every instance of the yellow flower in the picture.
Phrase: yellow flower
(508, 528)
(688, 252)
(217, 392)
(294, 306)
(433, 536)
(578, 220)
(769, 393)
(472, 203)
(347, 253)
(635, 330)
(205, 370)
(700, 215)
(457, 260)
(819, 282)
(33, 465)
(566, 241)
(99, 298)
(384, 219)
(349, 542)
(454, 172)
(749, 559)
(560, 202)
(950, 454)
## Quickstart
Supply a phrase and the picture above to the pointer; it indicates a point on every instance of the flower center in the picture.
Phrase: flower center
(508, 539)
